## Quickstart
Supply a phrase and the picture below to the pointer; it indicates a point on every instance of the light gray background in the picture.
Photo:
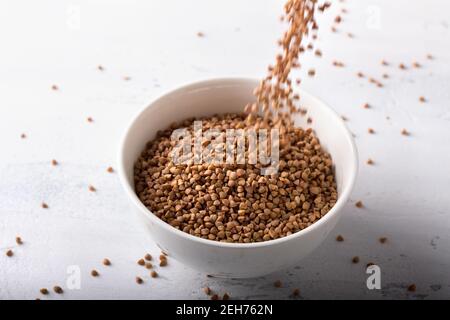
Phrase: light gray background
(155, 43)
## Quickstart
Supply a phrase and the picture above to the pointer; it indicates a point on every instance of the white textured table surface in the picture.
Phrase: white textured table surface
(154, 43)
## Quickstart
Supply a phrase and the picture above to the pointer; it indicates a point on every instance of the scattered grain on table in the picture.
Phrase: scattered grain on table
(338, 64)
(58, 290)
(207, 290)
(141, 262)
(44, 291)
(148, 257)
(19, 240)
(405, 132)
(412, 288)
(95, 273)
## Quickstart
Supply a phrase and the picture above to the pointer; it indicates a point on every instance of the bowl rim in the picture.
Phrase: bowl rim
(341, 201)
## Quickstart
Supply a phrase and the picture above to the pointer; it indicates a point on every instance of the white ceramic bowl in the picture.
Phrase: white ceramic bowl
(232, 259)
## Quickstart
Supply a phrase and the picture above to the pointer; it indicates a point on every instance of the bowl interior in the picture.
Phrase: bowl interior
(231, 95)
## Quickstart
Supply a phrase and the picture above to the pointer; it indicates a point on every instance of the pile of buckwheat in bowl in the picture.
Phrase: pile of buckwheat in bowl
(235, 202)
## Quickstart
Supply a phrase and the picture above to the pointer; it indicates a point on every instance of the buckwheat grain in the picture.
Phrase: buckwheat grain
(95, 273)
(58, 290)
